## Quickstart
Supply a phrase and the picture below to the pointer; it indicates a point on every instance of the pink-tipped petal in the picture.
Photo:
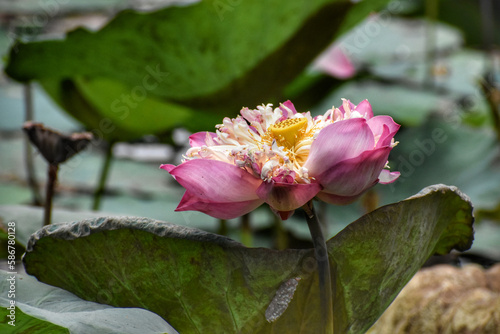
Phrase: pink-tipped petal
(288, 104)
(338, 142)
(386, 176)
(385, 128)
(353, 176)
(167, 167)
(199, 139)
(216, 181)
(365, 108)
(351, 106)
(229, 210)
(286, 196)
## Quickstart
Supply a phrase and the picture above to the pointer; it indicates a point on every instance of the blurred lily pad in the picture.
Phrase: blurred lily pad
(468, 16)
(407, 106)
(201, 282)
(445, 150)
(388, 39)
(36, 7)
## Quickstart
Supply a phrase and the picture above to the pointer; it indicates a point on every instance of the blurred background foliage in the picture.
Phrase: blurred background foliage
(142, 75)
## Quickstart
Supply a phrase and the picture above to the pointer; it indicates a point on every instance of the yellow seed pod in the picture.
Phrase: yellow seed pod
(289, 131)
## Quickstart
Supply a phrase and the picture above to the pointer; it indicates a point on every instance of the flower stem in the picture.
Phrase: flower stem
(104, 176)
(28, 151)
(246, 230)
(321, 253)
(431, 13)
(281, 238)
(51, 182)
(222, 227)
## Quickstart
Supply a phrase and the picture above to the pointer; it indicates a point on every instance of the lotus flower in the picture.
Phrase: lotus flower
(285, 159)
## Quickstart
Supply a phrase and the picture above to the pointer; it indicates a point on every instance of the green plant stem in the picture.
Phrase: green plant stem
(431, 13)
(281, 241)
(28, 150)
(492, 95)
(321, 254)
(51, 182)
(222, 227)
(246, 230)
(101, 186)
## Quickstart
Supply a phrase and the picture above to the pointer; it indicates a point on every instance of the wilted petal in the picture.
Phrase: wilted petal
(386, 176)
(286, 196)
(227, 210)
(215, 181)
(338, 142)
(353, 176)
(199, 139)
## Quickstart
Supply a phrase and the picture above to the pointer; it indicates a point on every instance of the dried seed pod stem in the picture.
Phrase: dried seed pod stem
(51, 183)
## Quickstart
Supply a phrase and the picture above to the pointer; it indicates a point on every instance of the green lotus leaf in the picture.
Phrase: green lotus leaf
(205, 283)
(24, 323)
(183, 65)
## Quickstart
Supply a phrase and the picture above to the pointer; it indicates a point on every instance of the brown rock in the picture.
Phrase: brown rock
(445, 299)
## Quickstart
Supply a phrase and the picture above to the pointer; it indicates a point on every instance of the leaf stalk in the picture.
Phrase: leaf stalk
(322, 260)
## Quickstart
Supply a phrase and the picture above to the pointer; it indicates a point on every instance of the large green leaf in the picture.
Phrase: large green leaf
(212, 56)
(204, 283)
(41, 308)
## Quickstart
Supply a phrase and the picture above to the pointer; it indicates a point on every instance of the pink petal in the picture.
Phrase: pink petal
(351, 106)
(334, 62)
(215, 181)
(286, 196)
(288, 104)
(167, 167)
(337, 142)
(365, 108)
(229, 210)
(284, 215)
(385, 127)
(387, 176)
(199, 139)
(353, 176)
